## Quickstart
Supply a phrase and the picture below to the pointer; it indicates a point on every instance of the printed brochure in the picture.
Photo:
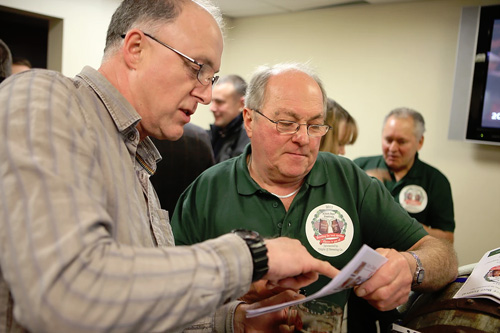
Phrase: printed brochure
(484, 281)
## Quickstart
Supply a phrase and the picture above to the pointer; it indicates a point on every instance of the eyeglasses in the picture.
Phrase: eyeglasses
(292, 127)
(205, 75)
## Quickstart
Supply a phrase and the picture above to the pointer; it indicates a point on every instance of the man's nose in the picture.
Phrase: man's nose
(393, 146)
(301, 135)
(203, 93)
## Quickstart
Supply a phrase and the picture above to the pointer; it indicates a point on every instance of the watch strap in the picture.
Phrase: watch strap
(418, 277)
(258, 250)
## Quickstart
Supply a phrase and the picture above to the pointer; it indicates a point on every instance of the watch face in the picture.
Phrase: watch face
(246, 234)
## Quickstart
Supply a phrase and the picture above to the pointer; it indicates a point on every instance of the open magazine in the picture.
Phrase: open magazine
(484, 281)
(364, 264)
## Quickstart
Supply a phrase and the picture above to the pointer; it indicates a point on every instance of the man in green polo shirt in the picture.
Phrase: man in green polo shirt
(283, 186)
(422, 190)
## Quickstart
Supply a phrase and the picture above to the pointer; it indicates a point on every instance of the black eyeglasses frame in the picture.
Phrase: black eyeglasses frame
(289, 122)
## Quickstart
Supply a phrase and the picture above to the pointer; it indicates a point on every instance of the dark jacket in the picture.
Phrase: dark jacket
(182, 161)
(230, 141)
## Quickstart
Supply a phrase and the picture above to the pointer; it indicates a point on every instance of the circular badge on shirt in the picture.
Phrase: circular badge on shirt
(329, 230)
(413, 198)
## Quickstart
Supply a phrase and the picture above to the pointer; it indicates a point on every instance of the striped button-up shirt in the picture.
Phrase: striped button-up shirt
(84, 245)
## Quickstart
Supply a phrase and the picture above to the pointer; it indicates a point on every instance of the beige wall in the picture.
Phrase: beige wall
(371, 58)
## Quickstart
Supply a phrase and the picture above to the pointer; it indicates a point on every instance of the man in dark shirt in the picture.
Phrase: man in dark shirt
(227, 134)
(182, 161)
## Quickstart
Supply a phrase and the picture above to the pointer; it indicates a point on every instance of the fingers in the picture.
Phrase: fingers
(299, 281)
(383, 251)
(325, 268)
(285, 296)
(390, 303)
(286, 329)
(262, 289)
(289, 258)
(380, 174)
(269, 322)
(390, 286)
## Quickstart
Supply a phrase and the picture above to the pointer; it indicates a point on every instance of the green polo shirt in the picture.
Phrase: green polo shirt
(424, 192)
(337, 210)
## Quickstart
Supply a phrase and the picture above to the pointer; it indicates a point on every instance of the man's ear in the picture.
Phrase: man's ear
(248, 121)
(133, 47)
(420, 143)
(242, 102)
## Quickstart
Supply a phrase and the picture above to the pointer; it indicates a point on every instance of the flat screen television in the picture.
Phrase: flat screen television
(475, 114)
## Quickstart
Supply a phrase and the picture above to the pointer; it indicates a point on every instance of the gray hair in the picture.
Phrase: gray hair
(149, 15)
(5, 61)
(256, 89)
(418, 119)
(239, 84)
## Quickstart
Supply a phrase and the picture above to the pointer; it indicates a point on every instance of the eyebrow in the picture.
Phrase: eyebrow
(205, 61)
(294, 115)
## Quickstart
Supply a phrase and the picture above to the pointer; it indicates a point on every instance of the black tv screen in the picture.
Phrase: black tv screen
(475, 112)
(491, 105)
(484, 113)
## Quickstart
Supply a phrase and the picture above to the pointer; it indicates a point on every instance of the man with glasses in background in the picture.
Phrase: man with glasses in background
(85, 246)
(283, 186)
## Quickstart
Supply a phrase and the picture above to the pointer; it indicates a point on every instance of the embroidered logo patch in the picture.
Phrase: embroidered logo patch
(413, 198)
(329, 230)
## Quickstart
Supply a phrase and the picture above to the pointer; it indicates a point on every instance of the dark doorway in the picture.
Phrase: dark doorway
(26, 35)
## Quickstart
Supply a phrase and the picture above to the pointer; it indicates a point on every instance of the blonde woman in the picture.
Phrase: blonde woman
(344, 129)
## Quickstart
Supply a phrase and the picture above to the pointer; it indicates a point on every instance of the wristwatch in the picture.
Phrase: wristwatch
(258, 250)
(418, 278)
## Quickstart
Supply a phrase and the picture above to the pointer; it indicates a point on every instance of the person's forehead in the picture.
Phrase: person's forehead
(225, 88)
(400, 125)
(294, 92)
(224, 92)
(196, 33)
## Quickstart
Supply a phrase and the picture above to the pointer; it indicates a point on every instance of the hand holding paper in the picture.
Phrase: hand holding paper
(364, 264)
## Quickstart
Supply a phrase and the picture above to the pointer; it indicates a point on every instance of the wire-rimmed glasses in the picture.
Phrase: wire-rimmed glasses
(206, 74)
(292, 127)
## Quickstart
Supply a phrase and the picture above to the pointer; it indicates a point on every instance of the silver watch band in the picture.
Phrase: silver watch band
(418, 277)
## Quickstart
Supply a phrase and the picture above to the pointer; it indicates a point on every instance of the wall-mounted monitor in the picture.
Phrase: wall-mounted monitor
(475, 113)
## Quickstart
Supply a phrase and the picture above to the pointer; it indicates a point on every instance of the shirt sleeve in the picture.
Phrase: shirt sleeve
(441, 212)
(221, 322)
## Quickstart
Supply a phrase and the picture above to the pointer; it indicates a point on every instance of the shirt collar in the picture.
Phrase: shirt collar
(230, 128)
(414, 168)
(121, 111)
(123, 114)
(244, 183)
